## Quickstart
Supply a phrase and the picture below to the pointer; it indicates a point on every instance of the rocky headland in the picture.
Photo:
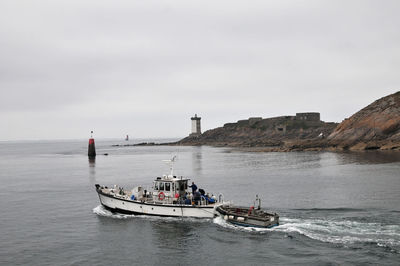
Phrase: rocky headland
(376, 126)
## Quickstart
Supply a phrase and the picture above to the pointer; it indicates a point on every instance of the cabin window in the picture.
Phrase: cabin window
(161, 186)
(182, 187)
(156, 186)
(173, 186)
(167, 186)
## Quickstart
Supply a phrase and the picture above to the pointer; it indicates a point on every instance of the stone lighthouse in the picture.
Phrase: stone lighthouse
(196, 130)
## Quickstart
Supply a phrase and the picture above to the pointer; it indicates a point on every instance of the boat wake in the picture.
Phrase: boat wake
(101, 211)
(340, 231)
(345, 232)
(330, 210)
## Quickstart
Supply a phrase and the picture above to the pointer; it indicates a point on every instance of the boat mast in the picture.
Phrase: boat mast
(258, 200)
(171, 165)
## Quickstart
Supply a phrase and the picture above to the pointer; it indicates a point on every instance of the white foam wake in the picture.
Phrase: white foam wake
(101, 211)
(332, 231)
(343, 231)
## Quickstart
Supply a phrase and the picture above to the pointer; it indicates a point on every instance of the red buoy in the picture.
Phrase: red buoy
(91, 147)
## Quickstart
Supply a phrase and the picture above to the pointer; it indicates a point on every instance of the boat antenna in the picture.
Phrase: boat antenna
(171, 164)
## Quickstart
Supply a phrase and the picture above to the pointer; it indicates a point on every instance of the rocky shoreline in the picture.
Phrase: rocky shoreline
(375, 127)
(304, 145)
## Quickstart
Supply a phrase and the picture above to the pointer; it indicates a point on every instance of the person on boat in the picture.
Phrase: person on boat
(184, 199)
(188, 202)
(196, 197)
(194, 187)
(213, 199)
(209, 198)
(202, 191)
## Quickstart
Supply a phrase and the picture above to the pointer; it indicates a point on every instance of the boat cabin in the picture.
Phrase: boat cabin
(170, 186)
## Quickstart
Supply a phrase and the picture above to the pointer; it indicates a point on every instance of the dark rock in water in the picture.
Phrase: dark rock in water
(106, 154)
(145, 144)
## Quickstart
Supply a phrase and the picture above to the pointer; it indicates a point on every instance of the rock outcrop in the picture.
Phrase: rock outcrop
(376, 126)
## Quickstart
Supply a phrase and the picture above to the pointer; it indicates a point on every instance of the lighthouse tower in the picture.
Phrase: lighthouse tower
(196, 130)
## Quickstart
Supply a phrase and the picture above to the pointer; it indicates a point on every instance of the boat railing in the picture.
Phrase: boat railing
(168, 199)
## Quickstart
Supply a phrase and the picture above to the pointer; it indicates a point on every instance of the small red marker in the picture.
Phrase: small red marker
(91, 147)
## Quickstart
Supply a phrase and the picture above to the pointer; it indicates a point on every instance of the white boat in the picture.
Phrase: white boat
(169, 196)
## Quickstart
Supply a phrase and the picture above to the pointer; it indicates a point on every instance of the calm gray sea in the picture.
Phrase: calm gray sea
(335, 208)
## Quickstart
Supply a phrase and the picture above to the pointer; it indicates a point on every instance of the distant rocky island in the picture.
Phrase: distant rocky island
(376, 126)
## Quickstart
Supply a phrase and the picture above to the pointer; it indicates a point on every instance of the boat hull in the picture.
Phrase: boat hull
(254, 223)
(124, 206)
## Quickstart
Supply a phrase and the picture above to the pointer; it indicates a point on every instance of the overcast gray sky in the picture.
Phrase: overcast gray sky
(143, 68)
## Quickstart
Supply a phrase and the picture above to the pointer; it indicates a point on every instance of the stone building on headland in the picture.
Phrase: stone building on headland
(253, 120)
(309, 118)
(282, 124)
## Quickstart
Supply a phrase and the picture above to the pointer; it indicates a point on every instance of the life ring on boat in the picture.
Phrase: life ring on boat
(161, 196)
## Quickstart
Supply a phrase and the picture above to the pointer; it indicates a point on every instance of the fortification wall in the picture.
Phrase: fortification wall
(311, 119)
(312, 116)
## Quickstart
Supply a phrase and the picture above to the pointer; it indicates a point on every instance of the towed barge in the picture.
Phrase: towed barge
(248, 216)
